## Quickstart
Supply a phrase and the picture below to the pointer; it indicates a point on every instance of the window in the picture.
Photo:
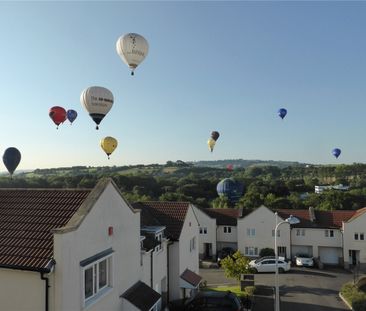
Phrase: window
(203, 230)
(303, 232)
(329, 233)
(359, 236)
(159, 239)
(250, 231)
(192, 244)
(278, 232)
(251, 251)
(298, 232)
(97, 275)
(227, 229)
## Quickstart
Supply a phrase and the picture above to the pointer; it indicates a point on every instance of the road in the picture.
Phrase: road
(301, 289)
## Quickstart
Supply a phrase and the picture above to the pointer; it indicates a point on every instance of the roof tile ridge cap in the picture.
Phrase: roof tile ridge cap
(84, 208)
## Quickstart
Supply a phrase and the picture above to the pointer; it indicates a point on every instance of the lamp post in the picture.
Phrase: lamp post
(292, 221)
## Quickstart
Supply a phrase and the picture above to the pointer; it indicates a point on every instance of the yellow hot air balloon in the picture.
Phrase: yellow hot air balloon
(108, 144)
(211, 144)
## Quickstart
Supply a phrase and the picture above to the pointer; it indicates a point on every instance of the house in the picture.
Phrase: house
(218, 229)
(354, 249)
(321, 189)
(319, 234)
(181, 226)
(256, 231)
(71, 250)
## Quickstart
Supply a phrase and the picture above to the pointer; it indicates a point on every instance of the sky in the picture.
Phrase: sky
(212, 66)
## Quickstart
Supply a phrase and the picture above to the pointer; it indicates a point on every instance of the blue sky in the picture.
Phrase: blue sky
(225, 66)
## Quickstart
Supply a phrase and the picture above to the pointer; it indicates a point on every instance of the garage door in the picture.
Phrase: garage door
(301, 249)
(330, 255)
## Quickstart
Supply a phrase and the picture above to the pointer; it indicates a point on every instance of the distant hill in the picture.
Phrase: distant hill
(240, 163)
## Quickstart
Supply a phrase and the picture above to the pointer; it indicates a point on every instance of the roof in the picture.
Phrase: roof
(323, 219)
(169, 214)
(190, 277)
(141, 296)
(225, 216)
(27, 218)
(358, 213)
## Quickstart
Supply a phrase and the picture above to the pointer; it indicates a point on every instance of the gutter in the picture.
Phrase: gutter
(46, 290)
(151, 269)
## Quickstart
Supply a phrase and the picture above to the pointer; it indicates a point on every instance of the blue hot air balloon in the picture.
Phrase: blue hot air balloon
(71, 115)
(11, 159)
(230, 188)
(336, 152)
(282, 112)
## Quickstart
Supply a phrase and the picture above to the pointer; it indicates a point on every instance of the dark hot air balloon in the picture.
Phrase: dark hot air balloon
(230, 188)
(71, 115)
(11, 159)
(336, 152)
(215, 135)
(282, 112)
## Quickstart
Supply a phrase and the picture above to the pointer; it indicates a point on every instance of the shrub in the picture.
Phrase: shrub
(266, 252)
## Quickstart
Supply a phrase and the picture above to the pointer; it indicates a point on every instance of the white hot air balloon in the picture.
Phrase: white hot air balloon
(97, 101)
(133, 49)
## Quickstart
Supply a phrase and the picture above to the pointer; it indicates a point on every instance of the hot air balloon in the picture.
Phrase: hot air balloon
(11, 159)
(133, 49)
(97, 101)
(215, 135)
(57, 114)
(211, 144)
(336, 152)
(108, 144)
(282, 112)
(229, 167)
(230, 188)
(71, 115)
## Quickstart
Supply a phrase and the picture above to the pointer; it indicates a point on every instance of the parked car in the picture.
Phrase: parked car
(304, 260)
(224, 252)
(266, 264)
(214, 301)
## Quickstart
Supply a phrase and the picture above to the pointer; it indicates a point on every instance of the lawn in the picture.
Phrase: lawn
(249, 290)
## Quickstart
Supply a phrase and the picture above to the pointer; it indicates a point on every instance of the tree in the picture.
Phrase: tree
(221, 202)
(236, 265)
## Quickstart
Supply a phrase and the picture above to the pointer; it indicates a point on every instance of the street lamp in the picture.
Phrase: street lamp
(292, 221)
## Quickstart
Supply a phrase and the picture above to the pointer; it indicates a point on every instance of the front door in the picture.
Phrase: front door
(207, 250)
(281, 251)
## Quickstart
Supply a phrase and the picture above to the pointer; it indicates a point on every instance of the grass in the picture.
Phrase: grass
(354, 296)
(249, 290)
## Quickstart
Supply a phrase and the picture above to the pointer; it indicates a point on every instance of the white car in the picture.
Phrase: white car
(269, 265)
(304, 260)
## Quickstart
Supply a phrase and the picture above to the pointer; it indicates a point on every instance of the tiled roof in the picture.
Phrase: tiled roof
(169, 214)
(225, 216)
(323, 219)
(141, 296)
(27, 217)
(190, 277)
(358, 213)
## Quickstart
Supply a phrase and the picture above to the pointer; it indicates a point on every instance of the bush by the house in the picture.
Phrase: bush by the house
(354, 296)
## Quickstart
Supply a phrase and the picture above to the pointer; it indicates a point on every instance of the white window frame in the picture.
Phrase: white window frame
(227, 229)
(98, 292)
(251, 251)
(192, 244)
(159, 237)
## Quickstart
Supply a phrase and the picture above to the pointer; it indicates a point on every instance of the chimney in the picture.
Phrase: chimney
(312, 214)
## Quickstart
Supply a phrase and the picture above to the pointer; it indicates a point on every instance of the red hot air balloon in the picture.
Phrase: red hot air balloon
(57, 114)
(229, 167)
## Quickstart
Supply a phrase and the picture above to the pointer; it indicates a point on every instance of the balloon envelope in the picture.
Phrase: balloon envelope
(211, 144)
(229, 167)
(132, 48)
(336, 152)
(230, 188)
(11, 159)
(71, 115)
(108, 144)
(97, 101)
(57, 114)
(282, 113)
(215, 135)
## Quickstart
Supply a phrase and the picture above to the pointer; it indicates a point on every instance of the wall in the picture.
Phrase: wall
(350, 228)
(21, 290)
(316, 238)
(264, 221)
(205, 221)
(91, 238)
(174, 264)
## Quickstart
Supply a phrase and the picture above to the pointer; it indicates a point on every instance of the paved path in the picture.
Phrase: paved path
(301, 289)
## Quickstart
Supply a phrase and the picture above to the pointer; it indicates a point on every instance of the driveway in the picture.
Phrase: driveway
(301, 289)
